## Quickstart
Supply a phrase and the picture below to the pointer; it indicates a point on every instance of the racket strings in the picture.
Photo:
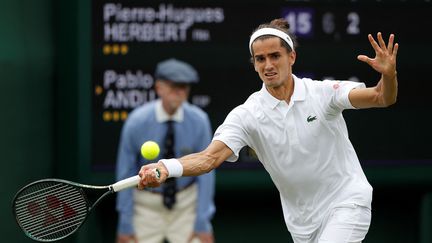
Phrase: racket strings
(32, 204)
(31, 223)
(50, 210)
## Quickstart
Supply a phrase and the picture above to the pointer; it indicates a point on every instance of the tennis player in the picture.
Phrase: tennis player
(296, 127)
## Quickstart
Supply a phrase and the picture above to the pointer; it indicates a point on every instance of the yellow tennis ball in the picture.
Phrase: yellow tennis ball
(150, 150)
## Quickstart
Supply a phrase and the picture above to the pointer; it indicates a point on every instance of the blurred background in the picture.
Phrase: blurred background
(71, 71)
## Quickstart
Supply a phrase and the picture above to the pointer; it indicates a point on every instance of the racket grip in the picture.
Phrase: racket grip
(131, 182)
(126, 183)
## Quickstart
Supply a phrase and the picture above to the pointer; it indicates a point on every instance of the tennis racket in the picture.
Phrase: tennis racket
(52, 209)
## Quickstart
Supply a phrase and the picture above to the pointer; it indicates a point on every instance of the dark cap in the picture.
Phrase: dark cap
(176, 71)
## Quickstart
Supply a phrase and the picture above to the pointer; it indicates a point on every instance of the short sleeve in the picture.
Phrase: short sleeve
(337, 94)
(233, 132)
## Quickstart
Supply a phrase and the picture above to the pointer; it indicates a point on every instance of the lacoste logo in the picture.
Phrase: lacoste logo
(311, 118)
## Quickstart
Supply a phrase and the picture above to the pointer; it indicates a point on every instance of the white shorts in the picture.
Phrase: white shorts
(345, 224)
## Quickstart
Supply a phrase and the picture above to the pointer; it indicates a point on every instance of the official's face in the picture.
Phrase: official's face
(172, 94)
(272, 61)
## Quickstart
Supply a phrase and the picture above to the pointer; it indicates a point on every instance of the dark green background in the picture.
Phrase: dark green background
(45, 65)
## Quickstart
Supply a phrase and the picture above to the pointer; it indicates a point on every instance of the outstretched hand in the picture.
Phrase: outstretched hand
(385, 55)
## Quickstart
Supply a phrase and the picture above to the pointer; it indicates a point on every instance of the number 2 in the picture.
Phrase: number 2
(353, 23)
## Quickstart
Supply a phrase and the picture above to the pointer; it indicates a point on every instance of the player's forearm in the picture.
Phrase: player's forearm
(189, 165)
(198, 163)
(389, 89)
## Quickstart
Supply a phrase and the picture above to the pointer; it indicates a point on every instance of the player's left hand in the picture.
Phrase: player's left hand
(385, 55)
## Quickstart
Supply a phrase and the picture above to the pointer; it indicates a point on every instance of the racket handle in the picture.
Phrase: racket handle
(130, 182)
(126, 183)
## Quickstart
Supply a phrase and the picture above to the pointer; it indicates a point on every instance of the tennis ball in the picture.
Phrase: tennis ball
(150, 150)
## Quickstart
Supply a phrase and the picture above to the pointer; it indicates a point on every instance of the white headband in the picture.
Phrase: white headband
(270, 31)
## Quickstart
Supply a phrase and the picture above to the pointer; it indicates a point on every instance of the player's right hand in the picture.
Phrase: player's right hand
(149, 177)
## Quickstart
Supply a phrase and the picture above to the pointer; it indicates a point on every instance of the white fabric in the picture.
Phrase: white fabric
(174, 167)
(153, 221)
(304, 146)
(345, 224)
(270, 31)
(162, 116)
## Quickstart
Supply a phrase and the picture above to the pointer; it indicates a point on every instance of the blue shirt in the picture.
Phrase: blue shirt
(192, 134)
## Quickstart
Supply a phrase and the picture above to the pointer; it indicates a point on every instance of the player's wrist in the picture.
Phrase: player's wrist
(171, 168)
(390, 75)
(162, 170)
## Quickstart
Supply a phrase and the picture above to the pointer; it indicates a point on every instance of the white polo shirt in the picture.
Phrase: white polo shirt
(304, 146)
